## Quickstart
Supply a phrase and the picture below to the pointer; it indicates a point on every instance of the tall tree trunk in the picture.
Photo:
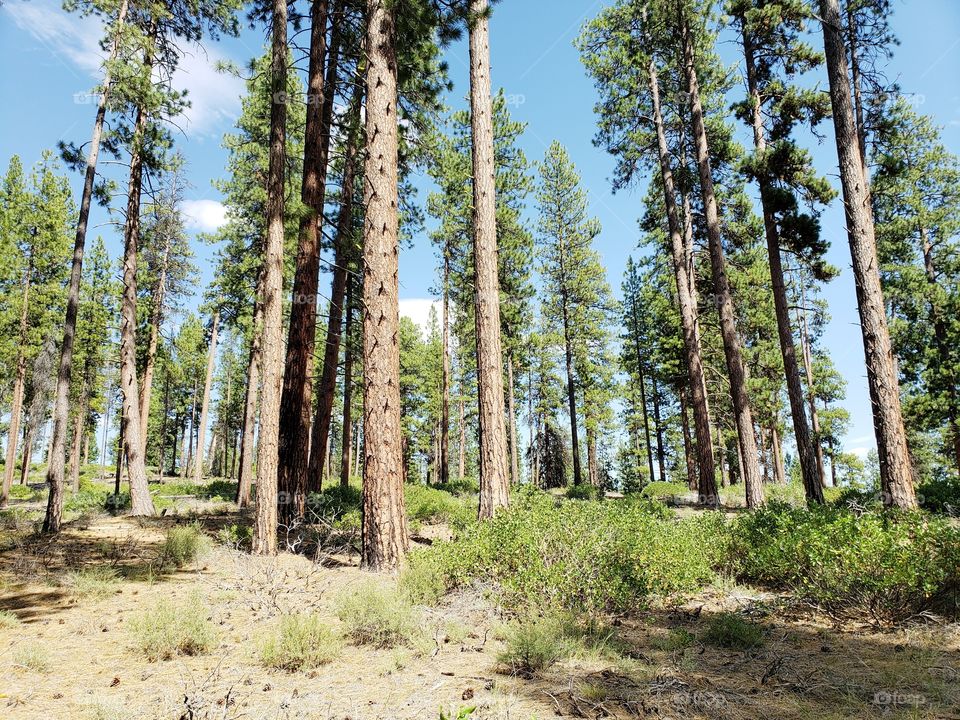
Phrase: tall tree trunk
(338, 286)
(593, 474)
(265, 525)
(205, 404)
(252, 390)
(494, 488)
(571, 389)
(163, 426)
(156, 318)
(809, 469)
(512, 420)
(779, 471)
(76, 440)
(707, 485)
(346, 442)
(462, 441)
(661, 455)
(385, 538)
(444, 475)
(19, 383)
(188, 436)
(855, 76)
(896, 474)
(297, 399)
(728, 327)
(807, 352)
(61, 403)
(643, 387)
(689, 452)
(140, 501)
(119, 464)
(26, 461)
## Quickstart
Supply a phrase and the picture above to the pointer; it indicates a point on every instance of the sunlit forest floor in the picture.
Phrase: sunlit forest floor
(72, 639)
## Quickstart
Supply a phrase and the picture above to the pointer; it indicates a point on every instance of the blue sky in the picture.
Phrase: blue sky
(52, 58)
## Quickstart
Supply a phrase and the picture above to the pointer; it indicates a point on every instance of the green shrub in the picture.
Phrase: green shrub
(378, 616)
(23, 492)
(424, 579)
(729, 630)
(333, 502)
(940, 495)
(182, 546)
(667, 491)
(583, 556)
(464, 486)
(300, 642)
(167, 630)
(535, 644)
(427, 504)
(884, 565)
(96, 498)
(676, 639)
(582, 492)
(92, 583)
(236, 536)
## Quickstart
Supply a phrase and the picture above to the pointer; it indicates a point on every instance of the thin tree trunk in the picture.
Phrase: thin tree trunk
(707, 485)
(571, 390)
(79, 422)
(593, 474)
(156, 318)
(728, 328)
(810, 471)
(855, 77)
(119, 469)
(188, 436)
(512, 419)
(25, 462)
(61, 404)
(265, 526)
(689, 452)
(245, 480)
(807, 352)
(643, 387)
(140, 501)
(661, 455)
(297, 399)
(385, 538)
(205, 404)
(444, 466)
(338, 288)
(494, 488)
(779, 471)
(896, 474)
(346, 442)
(462, 442)
(19, 383)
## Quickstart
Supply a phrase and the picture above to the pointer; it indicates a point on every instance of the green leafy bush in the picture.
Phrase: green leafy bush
(589, 556)
(666, 491)
(885, 565)
(582, 492)
(378, 616)
(427, 504)
(236, 536)
(940, 495)
(300, 642)
(729, 630)
(167, 630)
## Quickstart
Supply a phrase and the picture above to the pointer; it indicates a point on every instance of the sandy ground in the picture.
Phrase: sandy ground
(87, 668)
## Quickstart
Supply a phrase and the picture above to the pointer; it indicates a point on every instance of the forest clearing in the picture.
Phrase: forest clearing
(371, 359)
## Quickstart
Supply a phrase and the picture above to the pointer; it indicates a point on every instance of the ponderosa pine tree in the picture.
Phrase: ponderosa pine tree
(916, 203)
(896, 475)
(774, 52)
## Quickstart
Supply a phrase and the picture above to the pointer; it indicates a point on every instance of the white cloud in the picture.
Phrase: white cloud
(74, 40)
(204, 215)
(860, 452)
(418, 310)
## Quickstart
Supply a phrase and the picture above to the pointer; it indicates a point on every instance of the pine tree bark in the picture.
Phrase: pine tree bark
(732, 347)
(61, 403)
(462, 441)
(896, 474)
(807, 352)
(661, 454)
(780, 473)
(385, 538)
(296, 405)
(593, 474)
(512, 421)
(140, 501)
(251, 392)
(19, 383)
(571, 384)
(346, 441)
(809, 469)
(643, 387)
(338, 286)
(76, 440)
(707, 483)
(689, 452)
(265, 524)
(494, 486)
(197, 470)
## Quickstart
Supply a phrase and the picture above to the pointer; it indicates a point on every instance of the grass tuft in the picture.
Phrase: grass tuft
(378, 616)
(300, 642)
(729, 630)
(167, 630)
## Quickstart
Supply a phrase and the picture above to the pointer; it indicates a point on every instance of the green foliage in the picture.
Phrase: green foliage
(665, 490)
(940, 495)
(428, 504)
(534, 644)
(589, 556)
(300, 642)
(182, 545)
(881, 565)
(167, 630)
(729, 630)
(676, 639)
(378, 616)
(236, 536)
(583, 492)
